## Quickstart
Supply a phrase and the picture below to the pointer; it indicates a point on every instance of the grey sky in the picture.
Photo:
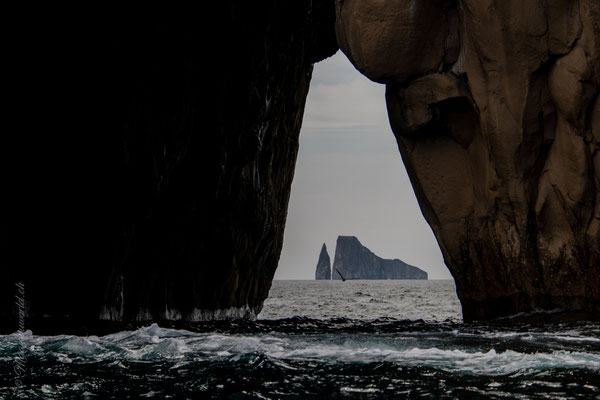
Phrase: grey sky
(350, 179)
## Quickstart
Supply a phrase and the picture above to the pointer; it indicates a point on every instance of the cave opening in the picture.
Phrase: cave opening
(350, 180)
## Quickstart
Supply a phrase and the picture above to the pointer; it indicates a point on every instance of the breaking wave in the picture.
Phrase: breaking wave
(340, 357)
(304, 357)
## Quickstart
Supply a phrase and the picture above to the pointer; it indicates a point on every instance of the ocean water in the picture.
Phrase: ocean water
(314, 340)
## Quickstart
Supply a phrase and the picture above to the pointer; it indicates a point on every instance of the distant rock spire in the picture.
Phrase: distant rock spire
(324, 265)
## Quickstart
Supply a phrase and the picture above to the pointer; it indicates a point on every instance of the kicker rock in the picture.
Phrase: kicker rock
(495, 109)
(323, 271)
(355, 261)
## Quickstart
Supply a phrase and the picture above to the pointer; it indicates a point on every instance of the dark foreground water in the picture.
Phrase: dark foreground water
(363, 350)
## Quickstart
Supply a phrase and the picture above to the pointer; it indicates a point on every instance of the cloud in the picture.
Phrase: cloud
(350, 101)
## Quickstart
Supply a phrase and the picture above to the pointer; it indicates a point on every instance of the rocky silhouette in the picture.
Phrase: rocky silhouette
(354, 261)
(323, 270)
(160, 190)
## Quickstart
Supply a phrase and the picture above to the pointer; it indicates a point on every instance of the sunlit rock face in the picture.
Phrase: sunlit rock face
(159, 188)
(495, 108)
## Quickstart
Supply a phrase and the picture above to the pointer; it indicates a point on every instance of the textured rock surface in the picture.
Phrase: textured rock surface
(160, 187)
(495, 108)
(355, 261)
(323, 270)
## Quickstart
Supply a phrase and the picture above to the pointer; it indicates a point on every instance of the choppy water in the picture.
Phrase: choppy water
(346, 340)
(415, 299)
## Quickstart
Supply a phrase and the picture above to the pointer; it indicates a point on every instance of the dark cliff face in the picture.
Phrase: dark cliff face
(354, 261)
(160, 190)
(323, 270)
(156, 152)
(495, 109)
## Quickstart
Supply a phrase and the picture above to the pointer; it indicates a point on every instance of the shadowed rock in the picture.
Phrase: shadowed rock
(159, 187)
(355, 261)
(495, 108)
(323, 270)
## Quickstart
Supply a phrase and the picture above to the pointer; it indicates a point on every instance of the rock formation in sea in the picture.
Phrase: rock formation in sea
(323, 270)
(158, 186)
(355, 261)
(151, 174)
(495, 108)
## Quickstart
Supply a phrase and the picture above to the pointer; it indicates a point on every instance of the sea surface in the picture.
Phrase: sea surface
(317, 340)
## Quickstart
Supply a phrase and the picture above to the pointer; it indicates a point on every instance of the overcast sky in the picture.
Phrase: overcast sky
(350, 179)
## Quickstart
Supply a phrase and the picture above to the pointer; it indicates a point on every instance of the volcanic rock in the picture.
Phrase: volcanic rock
(355, 261)
(494, 105)
(158, 187)
(151, 177)
(323, 270)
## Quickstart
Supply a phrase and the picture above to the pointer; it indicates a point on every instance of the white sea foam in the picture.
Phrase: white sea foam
(359, 390)
(302, 353)
(80, 346)
(154, 342)
(565, 336)
(164, 348)
(489, 363)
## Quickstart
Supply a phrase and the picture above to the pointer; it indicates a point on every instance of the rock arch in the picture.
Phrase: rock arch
(160, 189)
(493, 106)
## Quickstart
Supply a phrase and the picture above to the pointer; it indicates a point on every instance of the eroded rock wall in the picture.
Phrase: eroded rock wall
(495, 108)
(159, 188)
